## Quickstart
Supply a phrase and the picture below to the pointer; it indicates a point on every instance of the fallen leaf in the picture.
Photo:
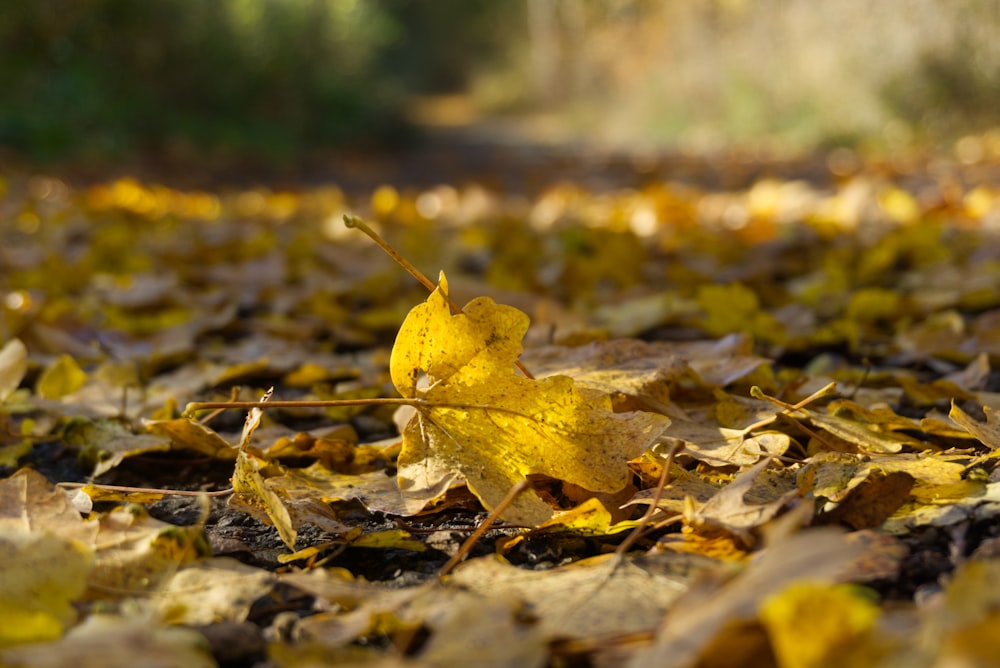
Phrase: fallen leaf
(48, 555)
(734, 509)
(104, 443)
(210, 591)
(723, 446)
(250, 486)
(871, 502)
(192, 435)
(376, 490)
(490, 629)
(288, 499)
(988, 433)
(982, 506)
(42, 575)
(592, 598)
(459, 624)
(588, 518)
(13, 365)
(396, 539)
(30, 503)
(137, 553)
(478, 419)
(682, 484)
(64, 376)
(840, 620)
(105, 641)
(626, 366)
(695, 619)
(861, 435)
(646, 369)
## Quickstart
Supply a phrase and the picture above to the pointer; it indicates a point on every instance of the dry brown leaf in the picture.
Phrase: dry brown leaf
(210, 591)
(722, 446)
(259, 489)
(592, 598)
(137, 553)
(988, 433)
(753, 498)
(30, 503)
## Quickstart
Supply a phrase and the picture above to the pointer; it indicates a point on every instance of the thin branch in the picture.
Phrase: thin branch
(653, 506)
(356, 223)
(325, 403)
(143, 490)
(786, 409)
(486, 525)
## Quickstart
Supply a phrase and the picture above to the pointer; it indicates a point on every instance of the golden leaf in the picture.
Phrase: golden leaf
(840, 619)
(62, 377)
(478, 419)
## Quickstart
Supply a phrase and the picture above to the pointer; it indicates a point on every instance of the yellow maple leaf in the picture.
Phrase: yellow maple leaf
(478, 419)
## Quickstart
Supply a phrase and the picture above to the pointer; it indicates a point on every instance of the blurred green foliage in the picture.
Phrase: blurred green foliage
(276, 78)
(99, 78)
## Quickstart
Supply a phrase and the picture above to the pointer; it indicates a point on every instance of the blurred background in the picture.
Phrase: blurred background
(279, 79)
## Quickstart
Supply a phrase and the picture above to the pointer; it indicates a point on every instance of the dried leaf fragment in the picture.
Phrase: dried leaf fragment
(250, 482)
(988, 433)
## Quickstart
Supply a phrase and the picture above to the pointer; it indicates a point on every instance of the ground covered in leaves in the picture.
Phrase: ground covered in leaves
(755, 417)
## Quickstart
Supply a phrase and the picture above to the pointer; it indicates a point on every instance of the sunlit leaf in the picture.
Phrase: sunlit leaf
(62, 377)
(192, 435)
(839, 618)
(43, 575)
(477, 418)
(393, 538)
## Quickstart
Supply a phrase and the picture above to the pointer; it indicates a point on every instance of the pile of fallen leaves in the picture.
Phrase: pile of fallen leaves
(681, 425)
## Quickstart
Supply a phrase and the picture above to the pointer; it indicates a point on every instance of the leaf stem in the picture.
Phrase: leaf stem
(356, 223)
(786, 409)
(143, 490)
